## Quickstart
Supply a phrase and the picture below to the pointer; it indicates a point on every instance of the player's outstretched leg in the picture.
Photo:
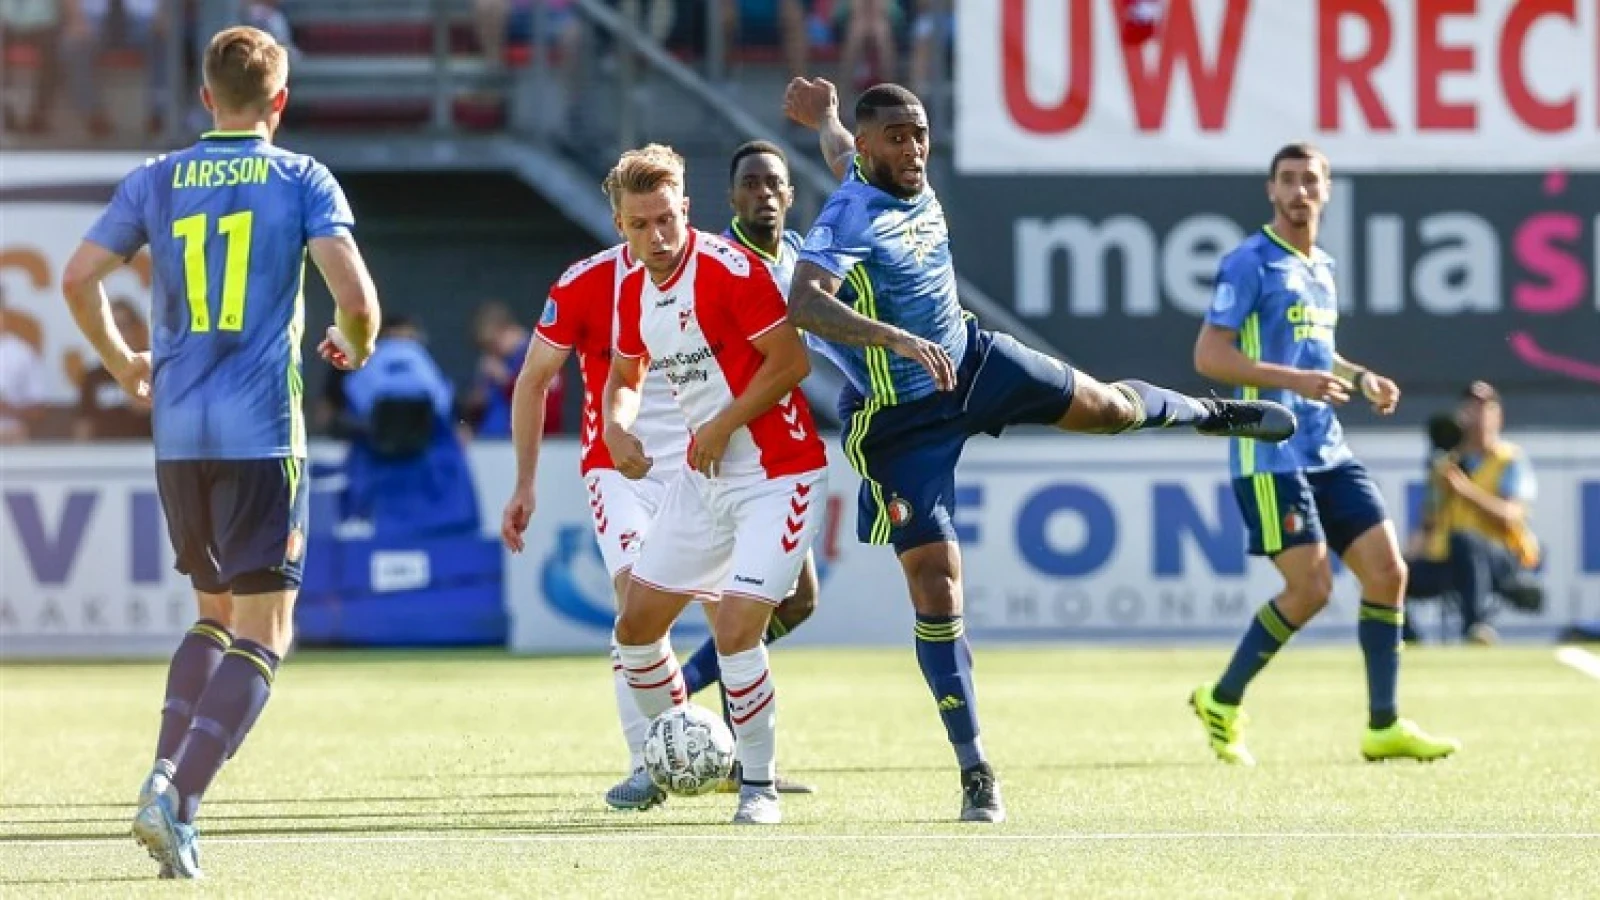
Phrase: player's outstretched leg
(933, 573)
(1375, 559)
(1134, 405)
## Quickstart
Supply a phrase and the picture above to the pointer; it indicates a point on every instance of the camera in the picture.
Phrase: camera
(1444, 432)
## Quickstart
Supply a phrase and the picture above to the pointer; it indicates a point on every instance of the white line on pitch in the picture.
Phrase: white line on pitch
(1580, 659)
(721, 838)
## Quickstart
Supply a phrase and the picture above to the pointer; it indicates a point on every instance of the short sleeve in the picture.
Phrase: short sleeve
(627, 340)
(1237, 292)
(120, 227)
(756, 304)
(1517, 481)
(560, 322)
(327, 212)
(842, 235)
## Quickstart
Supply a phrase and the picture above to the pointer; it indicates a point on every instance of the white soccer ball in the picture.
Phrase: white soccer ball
(688, 751)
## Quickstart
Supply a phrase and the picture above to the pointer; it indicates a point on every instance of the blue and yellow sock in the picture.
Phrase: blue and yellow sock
(1379, 629)
(231, 703)
(1267, 633)
(1158, 407)
(946, 662)
(192, 663)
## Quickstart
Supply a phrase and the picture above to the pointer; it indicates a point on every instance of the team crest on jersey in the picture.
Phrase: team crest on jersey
(548, 317)
(1294, 522)
(685, 316)
(900, 511)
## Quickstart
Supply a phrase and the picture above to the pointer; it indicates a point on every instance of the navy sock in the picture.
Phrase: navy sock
(191, 667)
(1378, 629)
(1159, 407)
(946, 662)
(1267, 632)
(701, 669)
(231, 703)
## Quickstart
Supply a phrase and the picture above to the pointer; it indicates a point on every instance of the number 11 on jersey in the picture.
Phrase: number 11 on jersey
(194, 231)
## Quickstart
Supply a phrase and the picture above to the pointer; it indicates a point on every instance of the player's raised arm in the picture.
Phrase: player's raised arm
(355, 297)
(528, 397)
(815, 104)
(814, 306)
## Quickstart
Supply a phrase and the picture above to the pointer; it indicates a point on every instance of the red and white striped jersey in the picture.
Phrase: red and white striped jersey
(698, 329)
(579, 315)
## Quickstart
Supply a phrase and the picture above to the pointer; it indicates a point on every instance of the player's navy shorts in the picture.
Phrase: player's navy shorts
(907, 454)
(1287, 509)
(236, 520)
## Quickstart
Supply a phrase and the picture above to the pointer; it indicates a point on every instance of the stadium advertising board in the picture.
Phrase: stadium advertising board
(1072, 539)
(47, 203)
(1442, 279)
(1419, 85)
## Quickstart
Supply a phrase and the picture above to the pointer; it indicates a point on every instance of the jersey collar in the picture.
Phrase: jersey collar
(1289, 248)
(232, 136)
(689, 249)
(752, 246)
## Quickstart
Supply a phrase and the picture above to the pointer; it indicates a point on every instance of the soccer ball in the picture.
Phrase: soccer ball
(688, 751)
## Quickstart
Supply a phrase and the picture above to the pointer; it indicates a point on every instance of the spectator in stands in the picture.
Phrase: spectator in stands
(21, 383)
(932, 38)
(502, 345)
(798, 25)
(35, 24)
(92, 27)
(500, 22)
(105, 411)
(867, 22)
(1475, 538)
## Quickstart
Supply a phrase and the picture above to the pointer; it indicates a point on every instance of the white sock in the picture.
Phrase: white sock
(753, 707)
(634, 724)
(653, 677)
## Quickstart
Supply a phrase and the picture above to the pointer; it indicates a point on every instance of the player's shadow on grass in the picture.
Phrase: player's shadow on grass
(107, 879)
(121, 805)
(603, 822)
(1074, 766)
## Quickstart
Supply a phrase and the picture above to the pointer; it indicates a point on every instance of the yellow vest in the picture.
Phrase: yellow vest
(1456, 513)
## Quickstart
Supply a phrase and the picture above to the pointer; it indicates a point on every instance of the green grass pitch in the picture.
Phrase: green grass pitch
(464, 775)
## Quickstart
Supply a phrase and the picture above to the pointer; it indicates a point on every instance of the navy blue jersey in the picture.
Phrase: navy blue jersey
(894, 258)
(1285, 309)
(227, 221)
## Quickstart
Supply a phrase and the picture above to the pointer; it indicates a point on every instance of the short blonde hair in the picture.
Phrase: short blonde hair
(643, 171)
(245, 68)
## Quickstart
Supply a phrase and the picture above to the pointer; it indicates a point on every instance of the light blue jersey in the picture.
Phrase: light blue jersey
(227, 221)
(1285, 308)
(782, 265)
(894, 257)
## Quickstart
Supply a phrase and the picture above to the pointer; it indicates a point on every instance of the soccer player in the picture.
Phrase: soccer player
(709, 316)
(228, 222)
(578, 315)
(876, 281)
(1270, 331)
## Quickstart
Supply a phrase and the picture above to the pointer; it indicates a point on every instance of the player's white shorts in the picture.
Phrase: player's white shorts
(734, 536)
(621, 511)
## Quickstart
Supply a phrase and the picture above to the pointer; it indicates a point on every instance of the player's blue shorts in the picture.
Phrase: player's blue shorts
(238, 520)
(907, 454)
(1287, 509)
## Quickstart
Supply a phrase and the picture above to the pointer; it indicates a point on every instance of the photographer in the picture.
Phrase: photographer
(1475, 537)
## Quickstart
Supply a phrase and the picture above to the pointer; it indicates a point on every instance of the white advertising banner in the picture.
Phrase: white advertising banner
(1064, 538)
(47, 203)
(1393, 85)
